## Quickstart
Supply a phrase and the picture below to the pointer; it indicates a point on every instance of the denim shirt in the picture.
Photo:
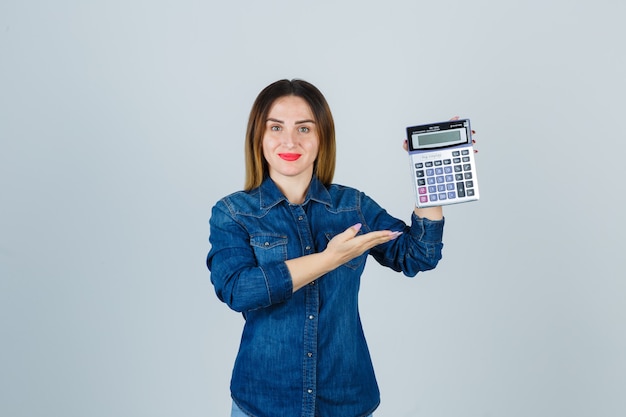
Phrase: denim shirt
(304, 353)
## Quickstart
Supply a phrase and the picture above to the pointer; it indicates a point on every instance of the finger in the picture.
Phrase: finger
(352, 231)
(372, 239)
(405, 145)
(474, 143)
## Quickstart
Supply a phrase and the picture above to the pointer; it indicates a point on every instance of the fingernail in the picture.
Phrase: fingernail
(357, 226)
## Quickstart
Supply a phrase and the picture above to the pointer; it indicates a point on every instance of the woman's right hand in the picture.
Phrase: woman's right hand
(341, 249)
(347, 245)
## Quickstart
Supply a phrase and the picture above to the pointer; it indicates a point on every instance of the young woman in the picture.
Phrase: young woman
(288, 252)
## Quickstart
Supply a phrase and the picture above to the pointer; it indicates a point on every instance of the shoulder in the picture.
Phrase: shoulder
(239, 201)
(344, 196)
(339, 189)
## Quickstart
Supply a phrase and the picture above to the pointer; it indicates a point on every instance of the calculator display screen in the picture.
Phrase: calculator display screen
(438, 139)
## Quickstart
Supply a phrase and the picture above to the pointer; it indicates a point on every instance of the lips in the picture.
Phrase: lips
(289, 156)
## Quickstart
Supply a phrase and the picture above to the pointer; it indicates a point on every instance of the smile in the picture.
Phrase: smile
(289, 156)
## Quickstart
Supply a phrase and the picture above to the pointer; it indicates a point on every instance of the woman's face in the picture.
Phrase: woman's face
(290, 141)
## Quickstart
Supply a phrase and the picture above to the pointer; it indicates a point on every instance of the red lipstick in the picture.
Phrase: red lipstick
(290, 156)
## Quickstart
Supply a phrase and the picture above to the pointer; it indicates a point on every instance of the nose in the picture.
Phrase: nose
(289, 138)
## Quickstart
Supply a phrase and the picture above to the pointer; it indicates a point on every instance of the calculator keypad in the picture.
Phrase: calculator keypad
(445, 179)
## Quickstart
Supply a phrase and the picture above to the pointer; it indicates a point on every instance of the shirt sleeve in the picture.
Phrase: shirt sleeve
(418, 249)
(235, 274)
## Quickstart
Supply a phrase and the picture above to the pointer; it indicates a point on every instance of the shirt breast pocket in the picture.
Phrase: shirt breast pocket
(355, 263)
(269, 248)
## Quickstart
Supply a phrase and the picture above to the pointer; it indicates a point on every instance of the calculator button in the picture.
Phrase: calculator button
(458, 168)
(466, 159)
(450, 186)
(447, 170)
(423, 199)
(460, 189)
(430, 180)
(467, 167)
(447, 162)
(421, 181)
(458, 177)
(457, 160)
(451, 195)
(470, 184)
(429, 164)
(433, 197)
(419, 165)
(439, 171)
(464, 152)
(421, 190)
(430, 172)
(440, 180)
(468, 175)
(442, 196)
(437, 163)
(449, 178)
(470, 192)
(441, 188)
(432, 189)
(456, 153)
(419, 173)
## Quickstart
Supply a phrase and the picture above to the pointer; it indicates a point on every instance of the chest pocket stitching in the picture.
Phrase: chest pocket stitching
(267, 241)
(269, 248)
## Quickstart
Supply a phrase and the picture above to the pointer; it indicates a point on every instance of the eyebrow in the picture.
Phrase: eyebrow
(271, 119)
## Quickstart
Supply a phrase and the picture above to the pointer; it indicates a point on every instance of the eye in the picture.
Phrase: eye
(275, 128)
(304, 129)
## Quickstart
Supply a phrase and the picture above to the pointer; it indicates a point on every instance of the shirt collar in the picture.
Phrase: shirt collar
(270, 195)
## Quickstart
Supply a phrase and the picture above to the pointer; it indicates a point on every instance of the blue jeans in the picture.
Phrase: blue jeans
(236, 412)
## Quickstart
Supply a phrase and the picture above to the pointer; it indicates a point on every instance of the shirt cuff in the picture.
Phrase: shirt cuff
(278, 281)
(427, 230)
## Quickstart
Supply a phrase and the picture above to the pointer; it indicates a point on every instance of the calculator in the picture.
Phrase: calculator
(442, 163)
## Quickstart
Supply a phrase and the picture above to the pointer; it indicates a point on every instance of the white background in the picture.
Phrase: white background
(122, 123)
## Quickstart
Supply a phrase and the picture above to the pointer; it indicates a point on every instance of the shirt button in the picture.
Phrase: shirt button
(310, 391)
(312, 283)
(300, 217)
(310, 355)
(311, 317)
(308, 248)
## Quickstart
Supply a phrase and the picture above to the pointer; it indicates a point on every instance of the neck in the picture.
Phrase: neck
(293, 188)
